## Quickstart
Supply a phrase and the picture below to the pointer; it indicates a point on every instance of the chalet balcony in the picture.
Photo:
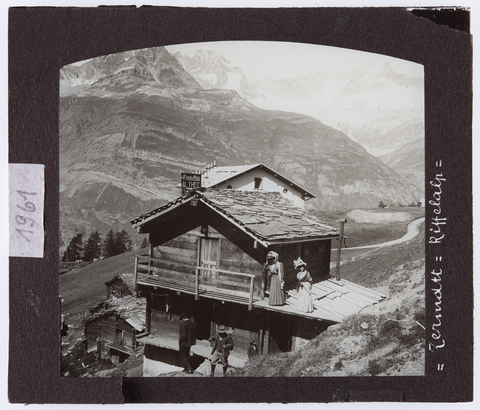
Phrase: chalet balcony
(200, 281)
(333, 299)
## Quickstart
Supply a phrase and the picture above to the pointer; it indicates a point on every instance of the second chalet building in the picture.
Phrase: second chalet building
(251, 178)
(207, 253)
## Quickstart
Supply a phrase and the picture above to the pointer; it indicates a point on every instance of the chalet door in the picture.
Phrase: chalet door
(210, 258)
(119, 336)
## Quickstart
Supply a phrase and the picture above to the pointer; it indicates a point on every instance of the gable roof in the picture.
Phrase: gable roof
(130, 308)
(265, 216)
(213, 177)
(127, 278)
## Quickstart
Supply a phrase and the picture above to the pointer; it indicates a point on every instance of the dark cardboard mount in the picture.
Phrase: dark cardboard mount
(42, 40)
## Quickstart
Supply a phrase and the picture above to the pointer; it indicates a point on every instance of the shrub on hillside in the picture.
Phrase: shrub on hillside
(419, 316)
(338, 365)
(413, 336)
(390, 328)
(376, 366)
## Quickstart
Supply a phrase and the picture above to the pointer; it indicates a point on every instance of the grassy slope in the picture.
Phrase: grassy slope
(373, 267)
(82, 288)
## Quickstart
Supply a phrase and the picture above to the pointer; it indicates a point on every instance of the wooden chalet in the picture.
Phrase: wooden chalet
(254, 177)
(207, 253)
(120, 285)
(113, 325)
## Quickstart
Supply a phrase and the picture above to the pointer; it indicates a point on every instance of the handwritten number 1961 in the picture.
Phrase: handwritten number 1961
(28, 206)
(22, 220)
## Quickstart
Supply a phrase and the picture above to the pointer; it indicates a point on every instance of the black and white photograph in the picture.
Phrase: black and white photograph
(234, 209)
(240, 205)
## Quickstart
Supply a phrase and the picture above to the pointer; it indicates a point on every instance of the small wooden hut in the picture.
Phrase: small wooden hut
(120, 285)
(112, 330)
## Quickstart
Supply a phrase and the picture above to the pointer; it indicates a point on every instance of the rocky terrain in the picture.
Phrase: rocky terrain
(212, 70)
(409, 161)
(132, 122)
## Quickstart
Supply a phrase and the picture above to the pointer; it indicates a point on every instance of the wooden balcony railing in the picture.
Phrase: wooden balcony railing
(200, 281)
(221, 278)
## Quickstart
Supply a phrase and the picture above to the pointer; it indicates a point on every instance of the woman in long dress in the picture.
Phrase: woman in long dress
(274, 271)
(304, 287)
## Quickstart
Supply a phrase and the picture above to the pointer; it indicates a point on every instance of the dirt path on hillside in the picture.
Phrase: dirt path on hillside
(412, 231)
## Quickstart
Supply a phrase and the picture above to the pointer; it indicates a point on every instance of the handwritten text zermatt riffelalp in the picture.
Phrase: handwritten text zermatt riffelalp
(437, 234)
(437, 223)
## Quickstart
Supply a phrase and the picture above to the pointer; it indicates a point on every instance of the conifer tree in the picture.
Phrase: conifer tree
(120, 246)
(92, 249)
(125, 239)
(74, 248)
(109, 244)
(144, 243)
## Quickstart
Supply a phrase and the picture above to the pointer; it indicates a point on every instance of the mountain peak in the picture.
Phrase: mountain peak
(212, 70)
(127, 71)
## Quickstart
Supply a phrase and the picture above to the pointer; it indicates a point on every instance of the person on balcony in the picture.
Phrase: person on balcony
(304, 287)
(186, 340)
(275, 275)
(222, 345)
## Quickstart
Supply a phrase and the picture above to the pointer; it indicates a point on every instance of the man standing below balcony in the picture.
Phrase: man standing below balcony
(186, 340)
(222, 344)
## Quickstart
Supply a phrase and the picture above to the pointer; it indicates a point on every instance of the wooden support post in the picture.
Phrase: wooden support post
(266, 330)
(199, 264)
(250, 301)
(340, 239)
(196, 283)
(148, 312)
(150, 255)
(135, 275)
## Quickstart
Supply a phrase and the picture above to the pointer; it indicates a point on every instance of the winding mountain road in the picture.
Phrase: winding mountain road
(412, 231)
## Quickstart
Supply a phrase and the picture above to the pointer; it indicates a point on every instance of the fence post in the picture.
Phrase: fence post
(196, 282)
(340, 238)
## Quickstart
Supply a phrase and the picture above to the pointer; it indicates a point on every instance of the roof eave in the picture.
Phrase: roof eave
(289, 181)
(141, 223)
(303, 239)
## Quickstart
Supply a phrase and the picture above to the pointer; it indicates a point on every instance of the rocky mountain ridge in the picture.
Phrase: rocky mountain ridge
(377, 107)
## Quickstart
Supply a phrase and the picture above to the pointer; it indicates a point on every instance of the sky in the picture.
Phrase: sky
(279, 60)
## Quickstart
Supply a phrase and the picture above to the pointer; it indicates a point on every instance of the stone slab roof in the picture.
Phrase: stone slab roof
(266, 216)
(127, 278)
(129, 308)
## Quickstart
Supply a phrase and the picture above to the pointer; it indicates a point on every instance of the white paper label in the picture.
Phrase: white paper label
(26, 201)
